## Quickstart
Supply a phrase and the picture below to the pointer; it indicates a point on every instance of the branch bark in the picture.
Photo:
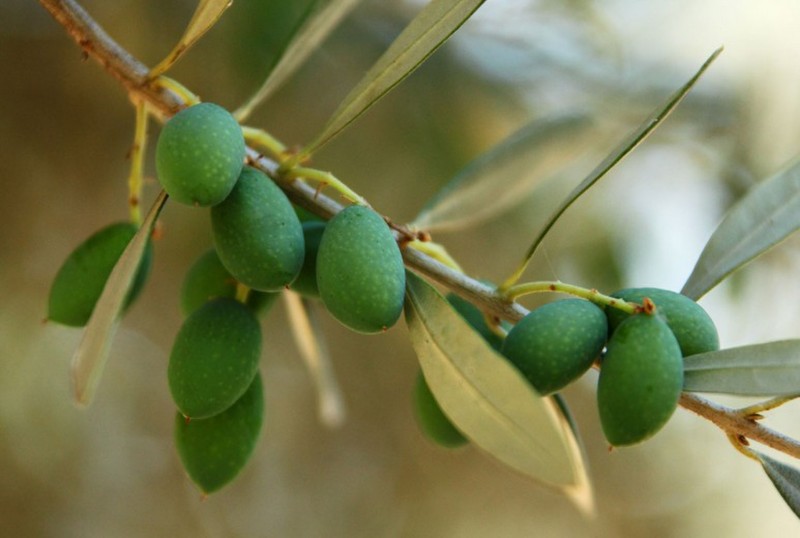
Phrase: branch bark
(133, 75)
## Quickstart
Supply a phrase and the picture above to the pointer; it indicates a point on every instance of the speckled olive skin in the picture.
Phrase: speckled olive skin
(214, 358)
(306, 282)
(691, 325)
(257, 233)
(80, 280)
(431, 419)
(556, 343)
(214, 450)
(360, 271)
(199, 155)
(640, 382)
(208, 279)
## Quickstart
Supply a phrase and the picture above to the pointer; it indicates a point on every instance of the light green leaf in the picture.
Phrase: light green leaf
(316, 24)
(506, 174)
(310, 339)
(205, 16)
(425, 33)
(770, 369)
(614, 158)
(90, 357)
(760, 220)
(488, 400)
(785, 478)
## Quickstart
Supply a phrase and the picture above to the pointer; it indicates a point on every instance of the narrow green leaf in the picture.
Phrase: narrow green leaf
(785, 478)
(488, 400)
(425, 33)
(205, 16)
(310, 339)
(507, 173)
(90, 357)
(764, 217)
(614, 158)
(770, 369)
(315, 25)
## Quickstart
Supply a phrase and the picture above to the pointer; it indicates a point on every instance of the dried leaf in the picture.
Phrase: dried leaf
(92, 353)
(488, 400)
(205, 16)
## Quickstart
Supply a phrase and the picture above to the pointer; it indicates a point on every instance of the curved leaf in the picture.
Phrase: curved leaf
(771, 369)
(488, 400)
(614, 158)
(785, 478)
(205, 16)
(90, 357)
(316, 24)
(424, 34)
(507, 173)
(760, 220)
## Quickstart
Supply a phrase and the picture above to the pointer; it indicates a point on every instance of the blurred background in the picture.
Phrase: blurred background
(112, 470)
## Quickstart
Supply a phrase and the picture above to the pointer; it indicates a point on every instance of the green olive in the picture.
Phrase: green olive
(431, 419)
(214, 450)
(257, 233)
(214, 358)
(83, 275)
(199, 155)
(640, 381)
(556, 343)
(692, 326)
(360, 272)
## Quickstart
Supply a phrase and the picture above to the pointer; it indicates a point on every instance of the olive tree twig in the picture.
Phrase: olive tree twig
(133, 75)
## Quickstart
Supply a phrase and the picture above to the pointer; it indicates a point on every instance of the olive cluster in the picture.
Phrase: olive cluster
(640, 357)
(261, 247)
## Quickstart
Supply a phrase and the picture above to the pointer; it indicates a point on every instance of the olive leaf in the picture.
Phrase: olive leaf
(422, 37)
(489, 401)
(770, 369)
(205, 16)
(785, 478)
(314, 26)
(310, 339)
(90, 357)
(507, 173)
(615, 157)
(766, 215)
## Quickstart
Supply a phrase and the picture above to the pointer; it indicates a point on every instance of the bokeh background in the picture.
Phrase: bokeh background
(112, 470)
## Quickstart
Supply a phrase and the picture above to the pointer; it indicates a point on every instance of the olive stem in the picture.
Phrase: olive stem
(137, 154)
(754, 410)
(133, 75)
(262, 139)
(591, 294)
(435, 251)
(325, 179)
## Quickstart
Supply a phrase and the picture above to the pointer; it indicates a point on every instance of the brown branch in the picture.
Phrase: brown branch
(133, 75)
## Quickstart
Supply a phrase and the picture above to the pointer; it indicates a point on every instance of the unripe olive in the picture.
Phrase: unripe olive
(208, 279)
(640, 382)
(214, 358)
(691, 325)
(199, 154)
(556, 343)
(431, 419)
(83, 275)
(306, 281)
(360, 271)
(474, 316)
(214, 450)
(257, 233)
